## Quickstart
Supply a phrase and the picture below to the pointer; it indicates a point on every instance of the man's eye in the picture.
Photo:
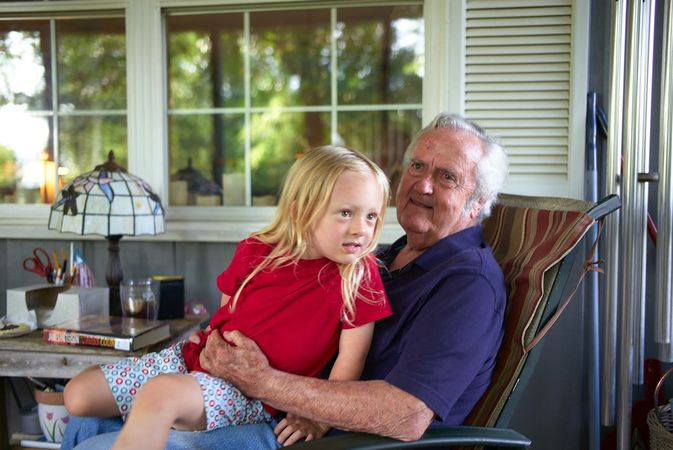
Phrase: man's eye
(448, 178)
(416, 166)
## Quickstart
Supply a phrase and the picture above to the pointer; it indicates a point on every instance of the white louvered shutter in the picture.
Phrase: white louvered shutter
(518, 86)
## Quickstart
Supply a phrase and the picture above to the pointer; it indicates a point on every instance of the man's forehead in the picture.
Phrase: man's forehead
(445, 143)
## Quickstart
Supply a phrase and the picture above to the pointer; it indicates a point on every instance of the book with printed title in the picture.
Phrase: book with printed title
(120, 333)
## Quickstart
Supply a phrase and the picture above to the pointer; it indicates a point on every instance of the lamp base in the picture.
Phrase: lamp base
(114, 274)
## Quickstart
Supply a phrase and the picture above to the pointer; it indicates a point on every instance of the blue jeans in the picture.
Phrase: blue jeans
(97, 434)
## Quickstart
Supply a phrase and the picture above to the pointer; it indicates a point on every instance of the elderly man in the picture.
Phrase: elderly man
(432, 360)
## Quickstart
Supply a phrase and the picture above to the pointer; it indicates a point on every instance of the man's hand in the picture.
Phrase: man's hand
(293, 428)
(237, 360)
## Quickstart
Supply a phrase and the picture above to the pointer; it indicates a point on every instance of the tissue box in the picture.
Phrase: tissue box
(47, 305)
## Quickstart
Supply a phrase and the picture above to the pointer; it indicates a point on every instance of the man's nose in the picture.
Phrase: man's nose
(425, 184)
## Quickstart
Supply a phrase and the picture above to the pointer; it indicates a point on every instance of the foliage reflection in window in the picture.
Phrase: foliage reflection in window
(57, 122)
(249, 92)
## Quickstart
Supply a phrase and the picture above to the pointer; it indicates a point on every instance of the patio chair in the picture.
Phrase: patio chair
(535, 241)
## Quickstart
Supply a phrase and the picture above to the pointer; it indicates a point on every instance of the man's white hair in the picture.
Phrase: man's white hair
(492, 168)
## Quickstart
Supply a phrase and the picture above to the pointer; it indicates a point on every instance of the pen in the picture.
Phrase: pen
(57, 265)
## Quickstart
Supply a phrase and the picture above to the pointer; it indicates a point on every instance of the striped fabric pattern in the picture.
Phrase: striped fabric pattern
(527, 243)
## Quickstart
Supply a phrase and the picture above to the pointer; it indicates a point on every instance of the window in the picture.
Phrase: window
(250, 91)
(216, 105)
(59, 120)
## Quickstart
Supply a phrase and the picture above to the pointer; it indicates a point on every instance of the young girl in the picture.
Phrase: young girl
(304, 287)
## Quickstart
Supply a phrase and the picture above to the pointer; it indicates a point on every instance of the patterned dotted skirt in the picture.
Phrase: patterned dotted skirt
(223, 403)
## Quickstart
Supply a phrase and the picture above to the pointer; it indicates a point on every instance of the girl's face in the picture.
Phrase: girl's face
(347, 227)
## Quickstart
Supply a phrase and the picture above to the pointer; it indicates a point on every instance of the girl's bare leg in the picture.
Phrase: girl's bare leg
(88, 394)
(168, 400)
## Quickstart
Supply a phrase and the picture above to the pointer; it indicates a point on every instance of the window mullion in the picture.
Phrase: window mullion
(248, 105)
(147, 154)
(443, 81)
(333, 79)
(54, 99)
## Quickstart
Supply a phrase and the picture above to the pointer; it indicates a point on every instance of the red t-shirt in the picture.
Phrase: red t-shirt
(293, 313)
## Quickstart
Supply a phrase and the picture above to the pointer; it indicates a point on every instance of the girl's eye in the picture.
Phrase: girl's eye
(372, 216)
(345, 213)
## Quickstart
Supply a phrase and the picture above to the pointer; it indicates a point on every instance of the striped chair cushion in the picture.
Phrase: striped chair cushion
(528, 243)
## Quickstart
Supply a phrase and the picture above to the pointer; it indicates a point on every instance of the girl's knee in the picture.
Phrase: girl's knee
(88, 394)
(160, 389)
(162, 382)
(71, 397)
(77, 395)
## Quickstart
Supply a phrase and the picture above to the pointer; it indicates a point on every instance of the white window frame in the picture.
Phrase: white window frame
(443, 90)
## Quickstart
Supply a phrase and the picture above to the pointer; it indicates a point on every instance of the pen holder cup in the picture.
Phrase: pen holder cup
(52, 414)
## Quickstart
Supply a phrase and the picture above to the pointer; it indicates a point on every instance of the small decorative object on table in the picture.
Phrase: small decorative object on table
(138, 299)
(660, 420)
(8, 329)
(171, 289)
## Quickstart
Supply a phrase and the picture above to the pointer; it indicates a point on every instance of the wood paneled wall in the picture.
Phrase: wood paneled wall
(198, 262)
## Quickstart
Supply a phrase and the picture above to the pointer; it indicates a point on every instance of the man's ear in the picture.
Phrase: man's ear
(476, 208)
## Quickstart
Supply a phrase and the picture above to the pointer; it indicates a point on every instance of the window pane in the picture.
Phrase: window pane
(277, 140)
(86, 141)
(207, 153)
(290, 58)
(91, 64)
(91, 73)
(24, 64)
(25, 171)
(205, 51)
(26, 168)
(381, 135)
(380, 55)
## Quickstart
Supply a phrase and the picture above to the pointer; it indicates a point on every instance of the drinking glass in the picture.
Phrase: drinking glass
(138, 299)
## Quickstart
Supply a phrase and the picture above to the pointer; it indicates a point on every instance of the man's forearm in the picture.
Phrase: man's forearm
(368, 406)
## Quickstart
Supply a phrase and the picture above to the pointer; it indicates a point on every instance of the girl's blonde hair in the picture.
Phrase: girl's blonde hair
(303, 200)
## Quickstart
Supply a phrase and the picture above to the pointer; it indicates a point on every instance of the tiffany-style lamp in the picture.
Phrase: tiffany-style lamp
(110, 202)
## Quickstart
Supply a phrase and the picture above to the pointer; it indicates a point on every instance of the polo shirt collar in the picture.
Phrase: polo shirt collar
(436, 254)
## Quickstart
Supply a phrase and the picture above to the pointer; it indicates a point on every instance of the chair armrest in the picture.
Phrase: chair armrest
(435, 437)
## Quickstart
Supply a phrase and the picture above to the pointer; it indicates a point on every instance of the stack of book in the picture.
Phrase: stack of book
(120, 333)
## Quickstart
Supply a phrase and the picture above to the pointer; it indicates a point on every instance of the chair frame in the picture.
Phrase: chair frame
(498, 436)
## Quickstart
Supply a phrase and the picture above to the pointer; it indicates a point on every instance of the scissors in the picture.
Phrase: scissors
(39, 263)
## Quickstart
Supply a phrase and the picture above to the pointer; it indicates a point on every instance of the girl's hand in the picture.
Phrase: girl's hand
(293, 428)
(195, 339)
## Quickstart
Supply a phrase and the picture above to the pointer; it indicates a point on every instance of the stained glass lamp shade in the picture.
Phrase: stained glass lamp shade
(110, 202)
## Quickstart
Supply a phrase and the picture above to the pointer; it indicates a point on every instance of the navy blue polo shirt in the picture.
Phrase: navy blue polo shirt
(447, 324)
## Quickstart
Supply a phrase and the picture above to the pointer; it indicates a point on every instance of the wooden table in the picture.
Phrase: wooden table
(30, 356)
